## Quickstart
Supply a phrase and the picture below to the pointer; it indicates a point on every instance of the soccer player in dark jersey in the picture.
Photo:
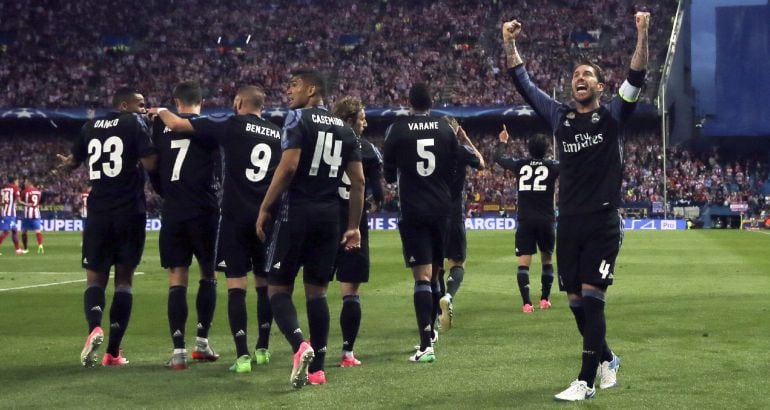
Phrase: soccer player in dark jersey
(189, 214)
(456, 244)
(589, 234)
(419, 154)
(251, 152)
(117, 150)
(352, 267)
(318, 148)
(536, 178)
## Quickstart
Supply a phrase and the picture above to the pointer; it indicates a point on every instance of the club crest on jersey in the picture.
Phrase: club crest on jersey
(571, 115)
(595, 117)
(566, 123)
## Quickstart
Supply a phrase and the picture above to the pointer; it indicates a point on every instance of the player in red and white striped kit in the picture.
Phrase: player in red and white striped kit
(30, 198)
(9, 196)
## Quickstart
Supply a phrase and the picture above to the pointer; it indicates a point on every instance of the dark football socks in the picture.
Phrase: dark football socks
(120, 313)
(205, 303)
(522, 277)
(93, 303)
(177, 314)
(264, 317)
(435, 290)
(546, 280)
(285, 315)
(236, 313)
(423, 307)
(593, 336)
(441, 281)
(350, 321)
(576, 306)
(318, 322)
(455, 280)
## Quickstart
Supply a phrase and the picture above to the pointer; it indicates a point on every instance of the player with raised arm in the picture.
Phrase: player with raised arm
(352, 267)
(536, 178)
(251, 152)
(419, 154)
(318, 148)
(9, 197)
(590, 229)
(189, 214)
(117, 150)
(456, 243)
(30, 198)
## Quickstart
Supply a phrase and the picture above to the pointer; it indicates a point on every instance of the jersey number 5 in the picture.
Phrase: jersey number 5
(114, 147)
(540, 173)
(426, 167)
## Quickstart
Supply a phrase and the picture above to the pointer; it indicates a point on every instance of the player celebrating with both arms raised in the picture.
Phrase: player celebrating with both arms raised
(590, 229)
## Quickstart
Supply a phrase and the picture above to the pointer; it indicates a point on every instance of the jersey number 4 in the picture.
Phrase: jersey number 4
(540, 175)
(112, 146)
(330, 151)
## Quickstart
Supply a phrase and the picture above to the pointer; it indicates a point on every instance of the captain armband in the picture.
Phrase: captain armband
(628, 92)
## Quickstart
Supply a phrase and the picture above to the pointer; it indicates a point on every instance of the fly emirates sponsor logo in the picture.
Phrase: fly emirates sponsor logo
(582, 141)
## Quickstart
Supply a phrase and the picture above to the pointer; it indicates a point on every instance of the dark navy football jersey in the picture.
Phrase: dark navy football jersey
(111, 148)
(251, 151)
(371, 160)
(535, 180)
(466, 157)
(186, 167)
(590, 147)
(420, 154)
(327, 145)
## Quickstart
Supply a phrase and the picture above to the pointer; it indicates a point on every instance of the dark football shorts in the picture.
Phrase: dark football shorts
(181, 239)
(587, 246)
(456, 243)
(532, 234)
(112, 239)
(353, 266)
(423, 238)
(238, 248)
(306, 236)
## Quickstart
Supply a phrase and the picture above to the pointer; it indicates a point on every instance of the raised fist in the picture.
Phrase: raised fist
(511, 30)
(642, 20)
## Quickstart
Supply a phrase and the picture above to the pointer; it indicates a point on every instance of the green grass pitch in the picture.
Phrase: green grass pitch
(687, 314)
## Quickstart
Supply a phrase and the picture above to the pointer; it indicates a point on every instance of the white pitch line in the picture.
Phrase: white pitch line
(43, 285)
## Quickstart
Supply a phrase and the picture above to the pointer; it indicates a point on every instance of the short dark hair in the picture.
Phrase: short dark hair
(189, 92)
(598, 70)
(252, 95)
(419, 97)
(537, 146)
(312, 77)
(348, 108)
(123, 95)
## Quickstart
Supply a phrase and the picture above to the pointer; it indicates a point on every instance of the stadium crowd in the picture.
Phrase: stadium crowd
(373, 49)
